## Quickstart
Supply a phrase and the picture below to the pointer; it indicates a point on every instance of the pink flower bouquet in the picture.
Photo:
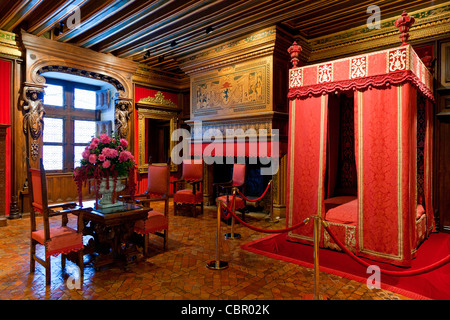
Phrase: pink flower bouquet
(105, 157)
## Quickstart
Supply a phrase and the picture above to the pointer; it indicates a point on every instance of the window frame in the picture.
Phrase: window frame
(69, 114)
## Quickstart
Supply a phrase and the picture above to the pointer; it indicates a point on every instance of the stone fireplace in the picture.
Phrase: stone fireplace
(236, 107)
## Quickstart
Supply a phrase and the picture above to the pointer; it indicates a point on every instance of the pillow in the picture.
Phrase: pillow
(420, 211)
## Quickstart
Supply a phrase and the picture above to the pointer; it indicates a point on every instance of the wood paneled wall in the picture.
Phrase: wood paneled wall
(442, 139)
(62, 188)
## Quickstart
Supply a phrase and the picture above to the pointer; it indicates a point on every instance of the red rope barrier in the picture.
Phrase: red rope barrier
(410, 273)
(259, 229)
(228, 209)
(254, 200)
(429, 268)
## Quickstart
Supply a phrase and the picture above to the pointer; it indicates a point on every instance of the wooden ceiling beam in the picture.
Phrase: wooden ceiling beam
(188, 29)
(105, 22)
(193, 32)
(165, 20)
(332, 19)
(91, 14)
(266, 16)
(22, 11)
(129, 28)
(49, 17)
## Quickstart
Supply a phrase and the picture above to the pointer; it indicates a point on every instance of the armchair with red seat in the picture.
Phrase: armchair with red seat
(190, 194)
(224, 189)
(56, 240)
(157, 190)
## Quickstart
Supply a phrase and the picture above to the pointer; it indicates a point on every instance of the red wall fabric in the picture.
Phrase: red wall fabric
(142, 92)
(306, 164)
(5, 118)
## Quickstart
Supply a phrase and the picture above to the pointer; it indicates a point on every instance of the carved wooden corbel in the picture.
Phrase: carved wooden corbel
(123, 111)
(33, 118)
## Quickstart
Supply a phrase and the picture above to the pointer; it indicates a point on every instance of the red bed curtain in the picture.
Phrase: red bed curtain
(306, 163)
(332, 143)
(5, 118)
(385, 143)
(428, 165)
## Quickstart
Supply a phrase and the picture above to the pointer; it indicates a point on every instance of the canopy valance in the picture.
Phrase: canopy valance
(376, 69)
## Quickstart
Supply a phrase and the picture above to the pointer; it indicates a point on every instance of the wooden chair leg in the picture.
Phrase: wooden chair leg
(81, 265)
(201, 210)
(194, 211)
(63, 261)
(146, 240)
(47, 271)
(32, 254)
(166, 239)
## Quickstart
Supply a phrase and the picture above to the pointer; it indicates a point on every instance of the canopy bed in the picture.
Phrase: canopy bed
(358, 156)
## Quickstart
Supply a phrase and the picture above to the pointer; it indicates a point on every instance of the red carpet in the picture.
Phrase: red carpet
(433, 285)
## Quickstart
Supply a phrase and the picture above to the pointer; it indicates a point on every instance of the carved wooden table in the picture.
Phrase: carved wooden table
(112, 232)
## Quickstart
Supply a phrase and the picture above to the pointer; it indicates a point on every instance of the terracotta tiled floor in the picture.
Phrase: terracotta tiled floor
(177, 274)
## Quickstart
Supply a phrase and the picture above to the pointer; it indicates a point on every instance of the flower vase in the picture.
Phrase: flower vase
(106, 189)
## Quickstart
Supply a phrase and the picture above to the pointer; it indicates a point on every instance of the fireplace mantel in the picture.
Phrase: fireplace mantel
(233, 88)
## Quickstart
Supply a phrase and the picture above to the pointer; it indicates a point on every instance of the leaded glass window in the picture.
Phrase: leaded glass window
(54, 95)
(53, 130)
(84, 131)
(77, 151)
(85, 99)
(52, 157)
(69, 123)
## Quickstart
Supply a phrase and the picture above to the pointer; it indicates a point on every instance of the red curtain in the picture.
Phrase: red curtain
(306, 163)
(428, 165)
(385, 144)
(332, 142)
(5, 118)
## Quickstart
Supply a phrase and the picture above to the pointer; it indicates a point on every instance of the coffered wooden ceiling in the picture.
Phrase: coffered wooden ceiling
(168, 29)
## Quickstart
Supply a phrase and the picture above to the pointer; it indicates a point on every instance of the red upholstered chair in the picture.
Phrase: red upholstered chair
(56, 240)
(157, 190)
(190, 195)
(224, 189)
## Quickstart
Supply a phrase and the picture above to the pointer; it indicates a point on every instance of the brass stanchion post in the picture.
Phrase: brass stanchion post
(316, 257)
(271, 218)
(317, 295)
(233, 235)
(217, 264)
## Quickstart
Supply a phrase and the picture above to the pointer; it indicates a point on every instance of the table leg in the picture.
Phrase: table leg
(127, 249)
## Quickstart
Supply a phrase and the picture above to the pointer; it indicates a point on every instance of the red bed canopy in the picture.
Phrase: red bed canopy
(382, 221)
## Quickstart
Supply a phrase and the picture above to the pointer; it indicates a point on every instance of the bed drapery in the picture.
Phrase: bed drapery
(385, 85)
